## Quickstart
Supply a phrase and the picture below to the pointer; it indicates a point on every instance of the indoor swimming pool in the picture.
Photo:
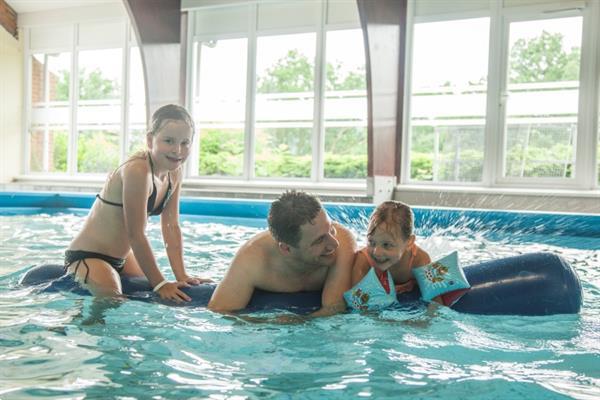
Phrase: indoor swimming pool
(188, 352)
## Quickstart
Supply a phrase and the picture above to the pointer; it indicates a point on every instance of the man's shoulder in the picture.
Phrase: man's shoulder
(257, 252)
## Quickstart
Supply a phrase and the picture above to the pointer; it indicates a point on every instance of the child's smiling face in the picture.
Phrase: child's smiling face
(385, 246)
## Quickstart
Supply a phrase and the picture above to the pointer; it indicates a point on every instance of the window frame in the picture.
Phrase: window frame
(125, 43)
(495, 134)
(320, 28)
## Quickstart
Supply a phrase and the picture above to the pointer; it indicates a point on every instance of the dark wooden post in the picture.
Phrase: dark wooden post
(384, 32)
(159, 26)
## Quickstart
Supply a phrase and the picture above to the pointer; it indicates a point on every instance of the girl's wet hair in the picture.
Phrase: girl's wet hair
(167, 113)
(397, 216)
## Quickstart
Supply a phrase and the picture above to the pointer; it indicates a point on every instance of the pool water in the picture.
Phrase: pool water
(155, 351)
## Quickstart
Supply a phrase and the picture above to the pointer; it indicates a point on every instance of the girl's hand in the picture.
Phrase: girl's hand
(170, 291)
(193, 280)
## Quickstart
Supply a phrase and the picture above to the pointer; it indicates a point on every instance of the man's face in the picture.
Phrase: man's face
(318, 243)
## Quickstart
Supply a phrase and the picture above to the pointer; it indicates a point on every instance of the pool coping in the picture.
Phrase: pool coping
(573, 224)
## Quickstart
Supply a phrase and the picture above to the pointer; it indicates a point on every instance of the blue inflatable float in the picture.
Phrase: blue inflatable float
(529, 284)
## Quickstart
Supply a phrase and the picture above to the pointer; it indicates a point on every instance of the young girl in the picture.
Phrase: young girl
(113, 241)
(384, 267)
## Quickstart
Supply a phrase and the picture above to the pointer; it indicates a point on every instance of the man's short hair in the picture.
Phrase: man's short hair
(290, 211)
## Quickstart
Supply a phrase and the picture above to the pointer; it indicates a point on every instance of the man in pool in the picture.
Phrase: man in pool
(303, 250)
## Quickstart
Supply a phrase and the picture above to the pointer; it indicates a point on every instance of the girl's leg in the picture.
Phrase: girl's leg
(132, 268)
(97, 276)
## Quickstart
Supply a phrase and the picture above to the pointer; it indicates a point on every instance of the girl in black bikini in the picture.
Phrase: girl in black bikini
(113, 240)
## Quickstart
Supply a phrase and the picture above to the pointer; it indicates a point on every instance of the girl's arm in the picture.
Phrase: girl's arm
(360, 268)
(423, 258)
(136, 187)
(171, 231)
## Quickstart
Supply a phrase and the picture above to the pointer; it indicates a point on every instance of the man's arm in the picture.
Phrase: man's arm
(339, 276)
(236, 288)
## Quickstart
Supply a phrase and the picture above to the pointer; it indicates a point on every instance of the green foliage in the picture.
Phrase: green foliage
(97, 151)
(221, 152)
(295, 73)
(280, 162)
(60, 145)
(348, 166)
(543, 59)
(62, 86)
(292, 73)
(346, 140)
(92, 86)
(336, 81)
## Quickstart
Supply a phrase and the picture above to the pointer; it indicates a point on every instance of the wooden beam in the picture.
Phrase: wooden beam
(384, 32)
(158, 27)
(8, 18)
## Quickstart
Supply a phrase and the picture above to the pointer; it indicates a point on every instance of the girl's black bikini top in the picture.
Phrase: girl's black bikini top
(152, 199)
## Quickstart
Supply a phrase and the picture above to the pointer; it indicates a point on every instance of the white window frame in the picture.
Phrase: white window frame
(320, 28)
(495, 135)
(126, 43)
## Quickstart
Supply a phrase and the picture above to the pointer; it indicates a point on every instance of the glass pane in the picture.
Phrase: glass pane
(220, 106)
(97, 150)
(36, 149)
(448, 105)
(50, 86)
(542, 102)
(99, 111)
(284, 105)
(58, 143)
(345, 107)
(100, 74)
(221, 152)
(59, 76)
(48, 149)
(137, 103)
(137, 140)
(38, 68)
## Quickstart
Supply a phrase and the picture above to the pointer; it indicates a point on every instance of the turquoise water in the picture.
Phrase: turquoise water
(154, 351)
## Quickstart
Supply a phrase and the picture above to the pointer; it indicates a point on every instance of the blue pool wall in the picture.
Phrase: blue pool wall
(571, 224)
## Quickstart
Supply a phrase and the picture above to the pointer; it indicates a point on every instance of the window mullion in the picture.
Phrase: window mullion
(588, 100)
(192, 71)
(27, 87)
(124, 137)
(74, 97)
(318, 140)
(46, 139)
(494, 131)
(249, 130)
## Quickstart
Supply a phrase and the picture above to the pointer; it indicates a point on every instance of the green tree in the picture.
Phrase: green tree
(295, 73)
(292, 73)
(543, 59)
(92, 86)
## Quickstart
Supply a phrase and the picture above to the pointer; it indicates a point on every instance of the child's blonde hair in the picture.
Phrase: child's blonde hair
(397, 216)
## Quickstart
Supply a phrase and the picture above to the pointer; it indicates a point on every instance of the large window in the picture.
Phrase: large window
(219, 106)
(283, 96)
(78, 121)
(345, 106)
(495, 98)
(284, 105)
(542, 98)
(450, 63)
